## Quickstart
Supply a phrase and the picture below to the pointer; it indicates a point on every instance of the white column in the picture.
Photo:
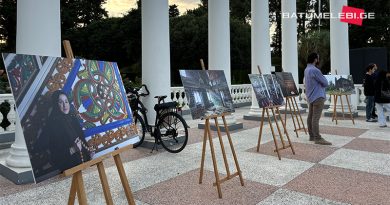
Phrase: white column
(290, 42)
(38, 32)
(155, 51)
(339, 43)
(339, 48)
(219, 37)
(38, 28)
(219, 40)
(260, 44)
(289, 39)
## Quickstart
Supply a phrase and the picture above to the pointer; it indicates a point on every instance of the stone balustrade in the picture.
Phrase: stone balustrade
(7, 120)
(241, 95)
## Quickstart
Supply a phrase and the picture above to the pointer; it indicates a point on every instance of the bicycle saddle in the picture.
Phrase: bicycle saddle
(161, 97)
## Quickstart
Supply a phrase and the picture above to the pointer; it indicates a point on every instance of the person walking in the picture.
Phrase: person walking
(315, 84)
(382, 96)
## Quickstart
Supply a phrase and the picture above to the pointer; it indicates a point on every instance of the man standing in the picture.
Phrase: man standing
(369, 92)
(315, 84)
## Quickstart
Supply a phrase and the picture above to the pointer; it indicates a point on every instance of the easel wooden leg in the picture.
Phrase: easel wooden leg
(103, 179)
(222, 147)
(334, 108)
(277, 126)
(233, 151)
(125, 183)
(285, 110)
(214, 161)
(82, 197)
(293, 113)
(73, 190)
(349, 108)
(261, 130)
(203, 151)
(300, 116)
(342, 106)
(273, 133)
(288, 137)
(296, 110)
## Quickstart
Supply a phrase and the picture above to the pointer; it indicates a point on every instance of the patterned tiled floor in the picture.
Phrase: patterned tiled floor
(354, 170)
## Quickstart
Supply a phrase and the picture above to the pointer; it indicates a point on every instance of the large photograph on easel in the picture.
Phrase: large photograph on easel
(340, 85)
(71, 110)
(286, 82)
(267, 90)
(207, 92)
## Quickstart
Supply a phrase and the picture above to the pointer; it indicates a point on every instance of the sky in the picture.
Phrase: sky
(117, 8)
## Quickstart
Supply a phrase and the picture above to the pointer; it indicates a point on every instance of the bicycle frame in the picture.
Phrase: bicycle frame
(141, 109)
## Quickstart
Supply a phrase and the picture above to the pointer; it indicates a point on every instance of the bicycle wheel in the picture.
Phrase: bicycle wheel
(173, 132)
(141, 128)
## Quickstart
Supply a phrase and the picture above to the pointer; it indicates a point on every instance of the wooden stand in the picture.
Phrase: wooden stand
(334, 116)
(295, 113)
(284, 146)
(77, 187)
(207, 134)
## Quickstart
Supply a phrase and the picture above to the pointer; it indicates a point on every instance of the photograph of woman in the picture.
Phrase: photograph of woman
(68, 145)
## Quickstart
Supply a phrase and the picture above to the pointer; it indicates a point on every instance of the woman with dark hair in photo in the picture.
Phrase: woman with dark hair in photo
(382, 85)
(68, 145)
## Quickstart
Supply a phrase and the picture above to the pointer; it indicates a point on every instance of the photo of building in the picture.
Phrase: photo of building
(207, 92)
(340, 85)
(286, 82)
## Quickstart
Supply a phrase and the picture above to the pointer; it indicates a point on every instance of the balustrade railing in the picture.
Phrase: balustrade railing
(357, 100)
(7, 120)
(241, 93)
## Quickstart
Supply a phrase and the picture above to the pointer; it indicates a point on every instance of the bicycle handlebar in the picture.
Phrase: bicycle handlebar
(136, 91)
(146, 89)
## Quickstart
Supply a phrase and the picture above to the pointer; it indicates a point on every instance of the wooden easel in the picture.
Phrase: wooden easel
(284, 146)
(77, 186)
(335, 97)
(207, 134)
(273, 108)
(295, 113)
(334, 115)
(68, 49)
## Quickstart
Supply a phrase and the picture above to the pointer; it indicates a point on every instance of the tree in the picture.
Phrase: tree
(189, 41)
(314, 41)
(8, 26)
(276, 21)
(80, 13)
(240, 9)
(173, 11)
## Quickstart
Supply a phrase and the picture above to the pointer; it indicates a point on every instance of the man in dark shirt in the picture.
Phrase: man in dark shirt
(369, 92)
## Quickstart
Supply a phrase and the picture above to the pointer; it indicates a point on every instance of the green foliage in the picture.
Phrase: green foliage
(240, 50)
(173, 11)
(373, 33)
(8, 25)
(189, 42)
(314, 41)
(80, 13)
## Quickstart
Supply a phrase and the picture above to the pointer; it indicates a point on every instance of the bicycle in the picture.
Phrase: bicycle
(170, 129)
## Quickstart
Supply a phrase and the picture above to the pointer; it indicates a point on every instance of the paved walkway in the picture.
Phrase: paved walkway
(354, 170)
